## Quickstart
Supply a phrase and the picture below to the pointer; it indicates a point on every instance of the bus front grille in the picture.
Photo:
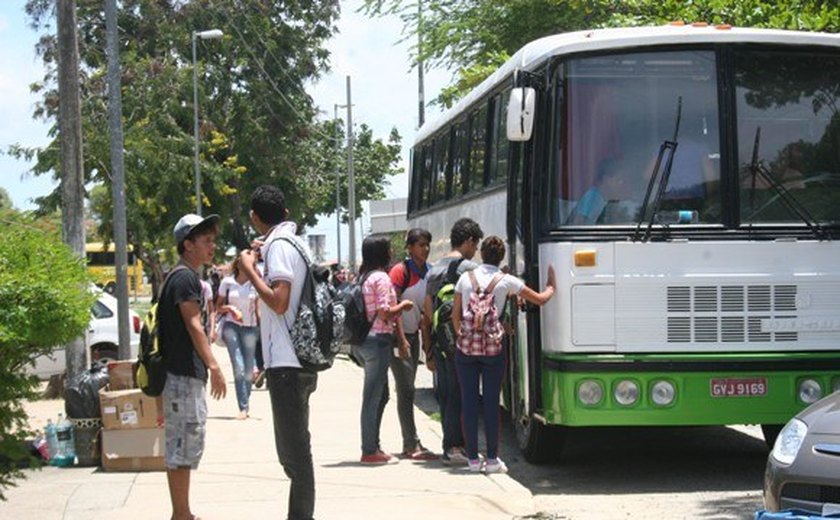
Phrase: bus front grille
(729, 313)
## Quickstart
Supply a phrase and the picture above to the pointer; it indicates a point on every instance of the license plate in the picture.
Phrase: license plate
(738, 386)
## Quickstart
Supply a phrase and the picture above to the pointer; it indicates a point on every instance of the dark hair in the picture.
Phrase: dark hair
(269, 203)
(200, 230)
(415, 234)
(376, 254)
(463, 230)
(607, 168)
(492, 250)
(234, 265)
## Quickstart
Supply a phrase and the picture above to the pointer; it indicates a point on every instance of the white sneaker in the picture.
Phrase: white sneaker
(495, 466)
(474, 465)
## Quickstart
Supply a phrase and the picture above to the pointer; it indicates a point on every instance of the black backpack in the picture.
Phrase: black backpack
(150, 368)
(443, 331)
(356, 324)
(319, 324)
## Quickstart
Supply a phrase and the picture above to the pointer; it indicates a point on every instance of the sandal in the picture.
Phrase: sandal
(420, 453)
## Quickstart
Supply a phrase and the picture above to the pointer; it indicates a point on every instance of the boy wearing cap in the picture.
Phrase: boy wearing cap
(183, 334)
(289, 386)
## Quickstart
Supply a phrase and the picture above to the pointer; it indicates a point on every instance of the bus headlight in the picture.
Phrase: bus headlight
(590, 392)
(789, 441)
(626, 392)
(810, 391)
(663, 393)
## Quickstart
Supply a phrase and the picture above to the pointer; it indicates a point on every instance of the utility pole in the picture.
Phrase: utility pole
(351, 181)
(336, 106)
(72, 167)
(421, 103)
(117, 175)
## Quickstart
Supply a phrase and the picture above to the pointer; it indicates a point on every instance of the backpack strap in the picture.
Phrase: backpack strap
(492, 285)
(452, 271)
(494, 282)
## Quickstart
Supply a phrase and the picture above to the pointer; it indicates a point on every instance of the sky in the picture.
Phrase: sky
(384, 95)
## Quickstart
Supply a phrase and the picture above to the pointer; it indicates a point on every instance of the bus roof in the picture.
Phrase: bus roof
(537, 51)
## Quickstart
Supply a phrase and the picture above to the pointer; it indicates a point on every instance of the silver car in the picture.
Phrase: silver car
(803, 469)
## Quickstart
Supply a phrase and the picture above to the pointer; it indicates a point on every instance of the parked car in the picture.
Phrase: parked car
(101, 338)
(803, 469)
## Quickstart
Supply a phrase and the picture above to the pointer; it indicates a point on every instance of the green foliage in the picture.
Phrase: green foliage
(257, 123)
(474, 37)
(44, 302)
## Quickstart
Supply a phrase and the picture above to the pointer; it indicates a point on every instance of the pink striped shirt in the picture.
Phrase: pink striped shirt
(379, 294)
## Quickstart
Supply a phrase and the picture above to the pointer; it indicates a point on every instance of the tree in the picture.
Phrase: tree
(474, 37)
(43, 302)
(257, 121)
(5, 200)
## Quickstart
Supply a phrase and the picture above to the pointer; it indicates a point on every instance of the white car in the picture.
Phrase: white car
(101, 338)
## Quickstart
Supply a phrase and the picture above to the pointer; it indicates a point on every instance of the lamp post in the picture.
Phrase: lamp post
(212, 34)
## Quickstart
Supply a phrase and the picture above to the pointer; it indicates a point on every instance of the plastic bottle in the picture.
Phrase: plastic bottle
(52, 440)
(66, 442)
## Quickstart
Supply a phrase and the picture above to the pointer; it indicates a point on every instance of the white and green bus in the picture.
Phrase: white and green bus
(684, 182)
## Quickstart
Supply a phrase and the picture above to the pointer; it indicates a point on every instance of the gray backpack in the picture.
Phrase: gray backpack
(319, 324)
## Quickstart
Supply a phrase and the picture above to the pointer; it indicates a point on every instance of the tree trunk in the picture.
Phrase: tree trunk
(72, 169)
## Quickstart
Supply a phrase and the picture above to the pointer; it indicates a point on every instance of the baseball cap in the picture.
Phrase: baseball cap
(189, 222)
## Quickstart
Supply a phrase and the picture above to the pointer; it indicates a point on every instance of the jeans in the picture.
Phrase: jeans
(405, 371)
(241, 343)
(490, 369)
(449, 399)
(374, 355)
(289, 390)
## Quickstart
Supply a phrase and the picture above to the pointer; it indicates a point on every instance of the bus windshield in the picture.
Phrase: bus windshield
(791, 100)
(618, 111)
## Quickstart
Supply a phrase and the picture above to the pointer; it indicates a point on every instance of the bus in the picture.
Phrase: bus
(100, 265)
(684, 183)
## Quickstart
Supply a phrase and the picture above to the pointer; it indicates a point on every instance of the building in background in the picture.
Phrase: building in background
(388, 216)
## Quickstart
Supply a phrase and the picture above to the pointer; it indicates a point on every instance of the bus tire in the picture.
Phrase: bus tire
(770, 432)
(538, 442)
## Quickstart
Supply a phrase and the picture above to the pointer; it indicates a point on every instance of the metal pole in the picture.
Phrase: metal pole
(351, 181)
(195, 130)
(117, 176)
(421, 104)
(337, 186)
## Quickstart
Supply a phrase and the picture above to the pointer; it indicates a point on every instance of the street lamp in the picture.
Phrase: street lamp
(212, 34)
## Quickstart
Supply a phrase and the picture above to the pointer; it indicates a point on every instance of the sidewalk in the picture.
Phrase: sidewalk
(240, 477)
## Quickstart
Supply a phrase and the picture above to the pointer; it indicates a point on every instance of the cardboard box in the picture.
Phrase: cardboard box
(128, 409)
(133, 450)
(121, 375)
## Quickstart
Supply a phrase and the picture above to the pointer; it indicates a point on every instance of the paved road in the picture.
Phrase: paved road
(650, 473)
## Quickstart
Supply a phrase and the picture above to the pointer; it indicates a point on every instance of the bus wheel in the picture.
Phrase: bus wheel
(771, 431)
(539, 443)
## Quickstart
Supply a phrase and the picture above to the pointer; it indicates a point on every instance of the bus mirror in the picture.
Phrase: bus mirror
(520, 115)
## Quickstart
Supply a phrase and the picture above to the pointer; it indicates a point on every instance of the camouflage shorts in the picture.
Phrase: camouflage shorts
(185, 417)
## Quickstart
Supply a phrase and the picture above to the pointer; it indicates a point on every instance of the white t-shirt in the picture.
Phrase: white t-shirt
(508, 285)
(282, 263)
(243, 297)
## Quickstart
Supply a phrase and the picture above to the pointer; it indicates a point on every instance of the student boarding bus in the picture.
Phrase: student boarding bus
(684, 182)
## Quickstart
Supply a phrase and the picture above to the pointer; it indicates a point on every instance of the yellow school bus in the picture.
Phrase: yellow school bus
(100, 264)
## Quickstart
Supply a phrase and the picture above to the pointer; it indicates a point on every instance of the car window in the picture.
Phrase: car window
(100, 310)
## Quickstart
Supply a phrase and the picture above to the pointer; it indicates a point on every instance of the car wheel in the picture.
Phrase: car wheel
(103, 354)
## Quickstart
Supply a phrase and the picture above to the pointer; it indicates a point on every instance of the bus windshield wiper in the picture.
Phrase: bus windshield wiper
(668, 148)
(759, 170)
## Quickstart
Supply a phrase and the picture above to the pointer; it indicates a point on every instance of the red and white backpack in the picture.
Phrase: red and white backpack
(481, 330)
